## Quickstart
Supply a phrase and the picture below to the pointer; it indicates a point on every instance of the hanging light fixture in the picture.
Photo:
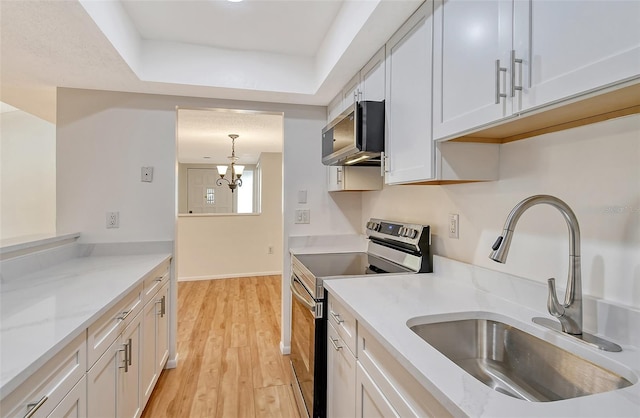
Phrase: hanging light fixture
(236, 170)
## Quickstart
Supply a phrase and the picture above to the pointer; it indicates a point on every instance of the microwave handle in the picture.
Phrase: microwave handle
(298, 295)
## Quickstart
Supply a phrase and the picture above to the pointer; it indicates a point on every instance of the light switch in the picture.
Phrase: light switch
(302, 216)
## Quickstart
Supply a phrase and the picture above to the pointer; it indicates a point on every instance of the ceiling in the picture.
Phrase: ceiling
(286, 51)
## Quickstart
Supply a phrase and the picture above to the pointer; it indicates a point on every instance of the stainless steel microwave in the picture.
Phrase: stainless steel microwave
(356, 136)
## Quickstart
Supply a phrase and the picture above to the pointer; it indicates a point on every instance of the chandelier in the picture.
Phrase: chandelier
(236, 170)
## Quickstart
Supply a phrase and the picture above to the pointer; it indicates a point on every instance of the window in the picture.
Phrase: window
(211, 196)
(246, 193)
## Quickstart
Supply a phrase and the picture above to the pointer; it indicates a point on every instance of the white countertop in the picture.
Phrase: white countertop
(42, 312)
(384, 305)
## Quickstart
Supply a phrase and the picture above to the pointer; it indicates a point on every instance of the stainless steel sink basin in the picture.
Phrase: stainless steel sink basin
(515, 363)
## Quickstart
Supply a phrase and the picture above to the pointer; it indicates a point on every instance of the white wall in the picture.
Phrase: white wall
(105, 137)
(28, 175)
(218, 246)
(594, 168)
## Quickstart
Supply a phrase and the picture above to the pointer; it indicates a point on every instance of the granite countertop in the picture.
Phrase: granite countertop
(43, 311)
(384, 305)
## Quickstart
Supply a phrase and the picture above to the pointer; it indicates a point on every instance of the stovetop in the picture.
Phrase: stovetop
(347, 264)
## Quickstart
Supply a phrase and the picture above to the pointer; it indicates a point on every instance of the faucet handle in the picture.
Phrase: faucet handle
(554, 307)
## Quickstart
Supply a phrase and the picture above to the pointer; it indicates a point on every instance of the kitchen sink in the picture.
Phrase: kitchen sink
(515, 363)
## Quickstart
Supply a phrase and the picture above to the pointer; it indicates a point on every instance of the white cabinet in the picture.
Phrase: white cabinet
(113, 385)
(367, 84)
(42, 393)
(341, 376)
(385, 386)
(496, 59)
(74, 405)
(370, 401)
(372, 75)
(408, 145)
(353, 178)
(154, 341)
(571, 47)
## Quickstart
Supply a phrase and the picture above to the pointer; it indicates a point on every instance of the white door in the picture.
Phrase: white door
(162, 330)
(148, 361)
(335, 177)
(351, 92)
(129, 392)
(472, 46)
(571, 47)
(102, 383)
(408, 146)
(341, 377)
(203, 195)
(373, 78)
(370, 401)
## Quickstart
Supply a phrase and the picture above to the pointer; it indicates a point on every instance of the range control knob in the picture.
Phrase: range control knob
(402, 231)
(369, 225)
(412, 233)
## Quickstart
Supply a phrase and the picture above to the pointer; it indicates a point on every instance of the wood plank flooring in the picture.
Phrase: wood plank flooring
(229, 362)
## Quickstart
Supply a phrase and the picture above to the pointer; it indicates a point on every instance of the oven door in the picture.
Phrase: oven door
(307, 351)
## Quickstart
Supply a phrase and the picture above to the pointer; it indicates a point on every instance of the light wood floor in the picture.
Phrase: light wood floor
(229, 361)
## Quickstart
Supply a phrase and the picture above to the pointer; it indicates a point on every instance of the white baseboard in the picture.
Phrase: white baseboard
(285, 349)
(172, 363)
(227, 276)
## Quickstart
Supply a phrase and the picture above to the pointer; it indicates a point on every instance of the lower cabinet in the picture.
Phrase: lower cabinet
(341, 376)
(371, 382)
(74, 405)
(113, 387)
(155, 341)
(370, 401)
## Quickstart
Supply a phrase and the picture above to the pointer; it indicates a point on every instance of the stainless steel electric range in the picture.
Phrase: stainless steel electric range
(393, 248)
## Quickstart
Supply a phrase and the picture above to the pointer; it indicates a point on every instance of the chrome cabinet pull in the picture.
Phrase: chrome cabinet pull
(336, 317)
(126, 357)
(124, 315)
(514, 61)
(499, 69)
(163, 306)
(35, 406)
(382, 169)
(339, 175)
(335, 344)
(129, 345)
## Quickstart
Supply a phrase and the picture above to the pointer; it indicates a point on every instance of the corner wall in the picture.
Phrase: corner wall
(594, 168)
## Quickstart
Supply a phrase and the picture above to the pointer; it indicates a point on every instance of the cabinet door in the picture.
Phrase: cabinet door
(370, 401)
(162, 330)
(351, 92)
(335, 177)
(572, 47)
(334, 108)
(472, 42)
(102, 383)
(74, 405)
(408, 147)
(372, 85)
(148, 372)
(128, 392)
(341, 376)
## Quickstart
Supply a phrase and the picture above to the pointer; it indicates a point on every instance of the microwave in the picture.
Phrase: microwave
(356, 136)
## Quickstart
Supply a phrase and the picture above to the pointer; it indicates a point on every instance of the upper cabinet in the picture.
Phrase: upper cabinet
(496, 59)
(408, 146)
(367, 84)
(565, 48)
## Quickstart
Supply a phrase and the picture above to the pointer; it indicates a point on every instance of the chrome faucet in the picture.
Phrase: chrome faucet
(570, 312)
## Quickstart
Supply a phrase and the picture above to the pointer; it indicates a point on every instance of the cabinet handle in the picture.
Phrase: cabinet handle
(339, 175)
(499, 69)
(125, 348)
(157, 279)
(129, 345)
(336, 317)
(163, 306)
(35, 406)
(124, 315)
(335, 344)
(514, 61)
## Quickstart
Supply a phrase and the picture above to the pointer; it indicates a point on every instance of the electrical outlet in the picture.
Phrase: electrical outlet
(113, 220)
(454, 226)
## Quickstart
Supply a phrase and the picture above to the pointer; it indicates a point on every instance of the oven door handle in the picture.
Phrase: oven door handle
(292, 285)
